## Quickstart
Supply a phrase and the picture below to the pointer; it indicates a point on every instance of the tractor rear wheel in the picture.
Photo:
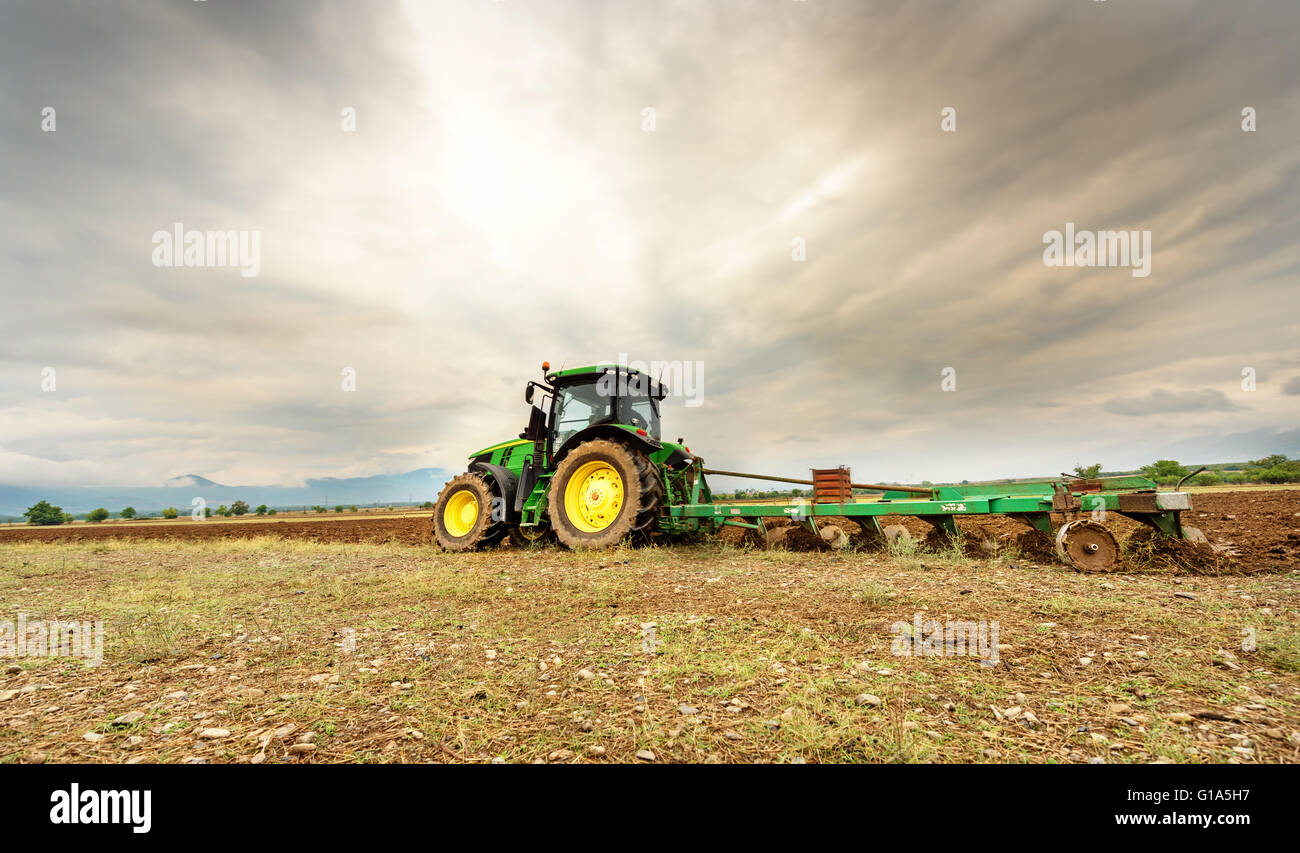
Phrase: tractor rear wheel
(463, 518)
(600, 493)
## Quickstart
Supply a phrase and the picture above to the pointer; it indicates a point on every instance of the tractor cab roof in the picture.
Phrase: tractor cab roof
(592, 373)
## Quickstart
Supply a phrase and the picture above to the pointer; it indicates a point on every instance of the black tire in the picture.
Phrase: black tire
(485, 530)
(642, 494)
(652, 495)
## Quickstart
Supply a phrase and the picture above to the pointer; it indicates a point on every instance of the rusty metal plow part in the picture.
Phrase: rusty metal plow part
(1087, 546)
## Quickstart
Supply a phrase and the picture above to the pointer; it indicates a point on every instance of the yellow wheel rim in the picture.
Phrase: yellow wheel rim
(460, 513)
(593, 496)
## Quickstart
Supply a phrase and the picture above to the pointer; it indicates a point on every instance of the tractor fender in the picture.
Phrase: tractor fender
(643, 443)
(505, 481)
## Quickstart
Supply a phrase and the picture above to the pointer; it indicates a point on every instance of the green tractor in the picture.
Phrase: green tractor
(590, 469)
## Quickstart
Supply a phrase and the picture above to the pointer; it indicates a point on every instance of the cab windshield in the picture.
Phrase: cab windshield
(583, 405)
(578, 407)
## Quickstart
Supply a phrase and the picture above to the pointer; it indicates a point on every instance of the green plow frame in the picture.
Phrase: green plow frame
(1030, 502)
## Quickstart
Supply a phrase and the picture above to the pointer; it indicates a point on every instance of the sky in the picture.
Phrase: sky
(826, 220)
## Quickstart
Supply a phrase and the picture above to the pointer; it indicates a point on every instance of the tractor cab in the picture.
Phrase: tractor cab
(576, 401)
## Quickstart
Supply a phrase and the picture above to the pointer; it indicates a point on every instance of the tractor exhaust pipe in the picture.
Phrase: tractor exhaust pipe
(871, 487)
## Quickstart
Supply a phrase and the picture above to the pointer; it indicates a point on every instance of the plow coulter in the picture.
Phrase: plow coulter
(591, 470)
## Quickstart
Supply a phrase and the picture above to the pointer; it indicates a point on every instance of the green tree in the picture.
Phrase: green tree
(261, 509)
(338, 507)
(1088, 472)
(207, 512)
(239, 508)
(44, 513)
(1163, 469)
(170, 512)
(270, 512)
(97, 515)
(1273, 469)
(353, 508)
(127, 512)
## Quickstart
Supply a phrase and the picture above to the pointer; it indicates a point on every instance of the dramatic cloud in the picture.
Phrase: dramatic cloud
(1160, 402)
(447, 193)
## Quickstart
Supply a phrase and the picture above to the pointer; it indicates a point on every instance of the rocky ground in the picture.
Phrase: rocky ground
(272, 650)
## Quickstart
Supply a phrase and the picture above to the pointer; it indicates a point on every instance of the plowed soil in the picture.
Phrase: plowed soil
(1254, 530)
(409, 530)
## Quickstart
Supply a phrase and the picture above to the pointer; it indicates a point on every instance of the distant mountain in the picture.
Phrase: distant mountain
(420, 485)
(189, 481)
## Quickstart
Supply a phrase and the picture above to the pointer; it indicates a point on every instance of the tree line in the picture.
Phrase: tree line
(45, 513)
(1273, 469)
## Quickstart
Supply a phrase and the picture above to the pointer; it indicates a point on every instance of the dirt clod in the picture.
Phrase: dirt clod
(1148, 550)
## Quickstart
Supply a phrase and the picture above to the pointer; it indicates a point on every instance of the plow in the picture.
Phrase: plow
(591, 470)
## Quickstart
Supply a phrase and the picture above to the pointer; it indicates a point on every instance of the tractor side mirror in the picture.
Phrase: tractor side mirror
(528, 393)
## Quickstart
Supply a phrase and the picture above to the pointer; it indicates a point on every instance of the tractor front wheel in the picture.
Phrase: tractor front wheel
(463, 517)
(600, 493)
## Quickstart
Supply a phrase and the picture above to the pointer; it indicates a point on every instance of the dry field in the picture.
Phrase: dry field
(364, 643)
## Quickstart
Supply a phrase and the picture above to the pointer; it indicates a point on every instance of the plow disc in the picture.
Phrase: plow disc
(1087, 546)
(897, 533)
